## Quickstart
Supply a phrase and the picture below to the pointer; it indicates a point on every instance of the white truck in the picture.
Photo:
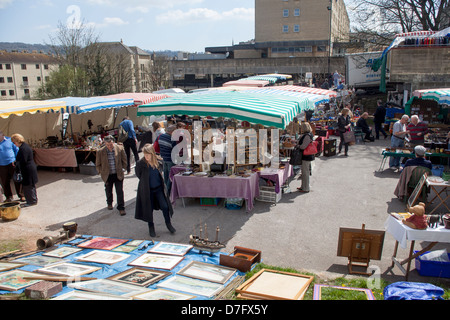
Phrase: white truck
(359, 73)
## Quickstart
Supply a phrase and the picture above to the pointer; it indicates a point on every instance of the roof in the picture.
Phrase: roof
(24, 57)
(19, 107)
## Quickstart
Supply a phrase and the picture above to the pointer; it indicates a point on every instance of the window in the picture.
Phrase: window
(38, 79)
(286, 13)
(46, 66)
(10, 80)
(26, 92)
(25, 79)
(296, 28)
(297, 12)
(285, 28)
(3, 93)
(8, 66)
(2, 79)
(321, 48)
(11, 92)
(37, 65)
(23, 66)
(1, 66)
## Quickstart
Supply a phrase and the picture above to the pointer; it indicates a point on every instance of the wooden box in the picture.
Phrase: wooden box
(242, 258)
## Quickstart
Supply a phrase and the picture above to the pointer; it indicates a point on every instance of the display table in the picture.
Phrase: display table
(55, 157)
(278, 176)
(219, 186)
(402, 234)
(435, 185)
(177, 169)
(387, 154)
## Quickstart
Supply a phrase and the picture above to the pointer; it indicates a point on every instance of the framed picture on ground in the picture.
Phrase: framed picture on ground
(5, 266)
(110, 287)
(207, 271)
(140, 276)
(157, 261)
(85, 295)
(177, 249)
(102, 243)
(321, 293)
(193, 286)
(62, 252)
(68, 269)
(14, 280)
(39, 260)
(163, 294)
(105, 257)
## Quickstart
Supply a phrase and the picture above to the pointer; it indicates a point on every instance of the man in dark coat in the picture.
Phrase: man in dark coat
(362, 123)
(379, 119)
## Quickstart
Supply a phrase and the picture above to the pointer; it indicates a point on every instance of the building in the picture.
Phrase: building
(23, 73)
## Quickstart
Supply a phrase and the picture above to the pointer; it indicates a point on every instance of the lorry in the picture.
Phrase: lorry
(359, 73)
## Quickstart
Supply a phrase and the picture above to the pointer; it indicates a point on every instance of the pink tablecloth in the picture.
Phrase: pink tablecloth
(215, 187)
(55, 157)
(279, 176)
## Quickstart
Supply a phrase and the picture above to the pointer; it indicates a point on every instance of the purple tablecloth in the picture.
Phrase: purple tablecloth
(215, 187)
(176, 169)
(279, 176)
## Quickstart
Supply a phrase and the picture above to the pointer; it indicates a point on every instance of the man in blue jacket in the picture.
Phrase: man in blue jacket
(131, 142)
(8, 153)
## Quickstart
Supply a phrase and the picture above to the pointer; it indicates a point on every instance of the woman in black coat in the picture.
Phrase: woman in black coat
(26, 165)
(343, 126)
(152, 193)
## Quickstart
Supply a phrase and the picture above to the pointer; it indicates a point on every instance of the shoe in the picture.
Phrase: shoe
(110, 207)
(301, 190)
(346, 154)
(22, 199)
(151, 231)
(385, 137)
(8, 200)
(170, 227)
(122, 212)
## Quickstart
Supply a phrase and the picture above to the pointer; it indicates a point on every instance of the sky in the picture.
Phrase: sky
(185, 25)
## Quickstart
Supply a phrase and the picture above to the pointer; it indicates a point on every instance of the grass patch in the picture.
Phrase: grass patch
(11, 245)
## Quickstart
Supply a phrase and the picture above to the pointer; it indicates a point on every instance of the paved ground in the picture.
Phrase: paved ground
(301, 231)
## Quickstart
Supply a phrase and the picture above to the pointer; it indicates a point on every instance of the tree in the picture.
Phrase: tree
(65, 81)
(157, 74)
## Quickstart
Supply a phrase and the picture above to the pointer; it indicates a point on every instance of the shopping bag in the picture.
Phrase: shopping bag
(349, 136)
(123, 134)
(17, 176)
(311, 149)
(296, 157)
(156, 145)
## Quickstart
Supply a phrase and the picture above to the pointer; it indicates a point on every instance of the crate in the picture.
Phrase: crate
(209, 202)
(234, 203)
(437, 170)
(88, 169)
(329, 147)
(433, 268)
(268, 194)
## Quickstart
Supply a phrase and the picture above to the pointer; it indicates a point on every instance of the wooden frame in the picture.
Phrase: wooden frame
(15, 280)
(275, 285)
(68, 269)
(207, 271)
(102, 243)
(110, 287)
(157, 261)
(417, 191)
(105, 257)
(170, 248)
(85, 295)
(5, 265)
(62, 252)
(39, 260)
(140, 276)
(318, 291)
(163, 294)
(193, 286)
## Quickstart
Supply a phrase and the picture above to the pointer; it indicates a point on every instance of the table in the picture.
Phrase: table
(219, 186)
(435, 185)
(387, 154)
(278, 176)
(402, 234)
(55, 157)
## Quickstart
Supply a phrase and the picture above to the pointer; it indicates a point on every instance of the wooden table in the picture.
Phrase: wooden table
(435, 184)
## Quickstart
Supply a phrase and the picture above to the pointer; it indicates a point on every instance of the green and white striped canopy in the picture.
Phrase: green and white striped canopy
(442, 96)
(261, 109)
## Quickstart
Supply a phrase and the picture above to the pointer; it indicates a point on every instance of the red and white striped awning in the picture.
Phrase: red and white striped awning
(138, 97)
(329, 93)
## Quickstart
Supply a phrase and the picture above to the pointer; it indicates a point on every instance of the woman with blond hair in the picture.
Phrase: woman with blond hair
(343, 126)
(26, 165)
(152, 193)
(304, 140)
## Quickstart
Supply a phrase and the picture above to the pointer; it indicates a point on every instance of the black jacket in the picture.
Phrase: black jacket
(380, 114)
(25, 163)
(343, 121)
(301, 139)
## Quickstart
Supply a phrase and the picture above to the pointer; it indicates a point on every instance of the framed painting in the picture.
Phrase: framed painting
(157, 261)
(68, 269)
(39, 260)
(105, 257)
(5, 266)
(14, 280)
(207, 271)
(163, 294)
(85, 295)
(320, 292)
(176, 249)
(416, 192)
(102, 243)
(193, 286)
(109, 287)
(62, 252)
(125, 248)
(140, 276)
(135, 243)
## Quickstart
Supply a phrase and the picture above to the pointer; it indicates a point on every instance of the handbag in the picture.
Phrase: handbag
(349, 136)
(311, 149)
(17, 176)
(156, 145)
(296, 157)
(123, 135)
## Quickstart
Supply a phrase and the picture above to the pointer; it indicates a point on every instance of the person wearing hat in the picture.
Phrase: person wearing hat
(419, 160)
(165, 148)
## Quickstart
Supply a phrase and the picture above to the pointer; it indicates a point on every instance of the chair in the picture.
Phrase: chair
(359, 133)
(414, 179)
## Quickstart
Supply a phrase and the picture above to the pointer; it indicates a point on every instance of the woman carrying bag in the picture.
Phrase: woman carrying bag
(152, 193)
(344, 126)
(305, 143)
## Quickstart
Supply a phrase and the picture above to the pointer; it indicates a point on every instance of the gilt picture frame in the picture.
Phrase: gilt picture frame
(140, 276)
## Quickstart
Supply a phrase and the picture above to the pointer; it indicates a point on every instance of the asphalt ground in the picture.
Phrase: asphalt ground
(301, 231)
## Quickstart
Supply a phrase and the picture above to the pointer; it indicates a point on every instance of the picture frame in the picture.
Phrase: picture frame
(13, 280)
(5, 266)
(157, 261)
(192, 286)
(103, 257)
(68, 269)
(417, 191)
(135, 243)
(317, 295)
(62, 252)
(275, 285)
(102, 243)
(207, 271)
(124, 248)
(39, 260)
(86, 295)
(170, 248)
(140, 276)
(163, 294)
(110, 287)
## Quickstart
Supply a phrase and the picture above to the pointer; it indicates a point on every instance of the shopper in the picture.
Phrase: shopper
(157, 130)
(152, 193)
(379, 119)
(130, 143)
(362, 123)
(344, 125)
(8, 153)
(417, 130)
(110, 162)
(419, 160)
(303, 142)
(399, 133)
(165, 148)
(27, 167)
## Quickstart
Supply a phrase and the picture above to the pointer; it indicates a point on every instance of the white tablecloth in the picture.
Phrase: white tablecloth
(403, 233)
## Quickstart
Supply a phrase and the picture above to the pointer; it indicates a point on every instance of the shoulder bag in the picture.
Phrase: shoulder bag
(311, 149)
(17, 176)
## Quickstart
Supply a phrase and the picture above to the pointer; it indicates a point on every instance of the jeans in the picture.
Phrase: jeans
(396, 143)
(167, 165)
(113, 181)
(342, 142)
(128, 144)
(378, 129)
